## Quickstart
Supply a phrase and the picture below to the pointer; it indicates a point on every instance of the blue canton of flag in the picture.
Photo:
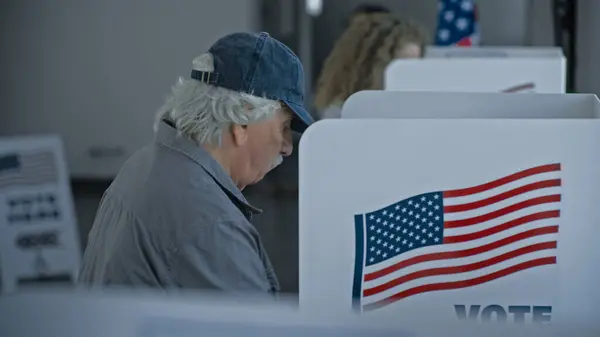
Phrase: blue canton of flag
(457, 23)
(20, 169)
(409, 224)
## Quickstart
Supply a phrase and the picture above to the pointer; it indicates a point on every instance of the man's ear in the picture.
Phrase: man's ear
(239, 133)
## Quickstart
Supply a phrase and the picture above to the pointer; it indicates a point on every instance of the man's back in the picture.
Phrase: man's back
(172, 218)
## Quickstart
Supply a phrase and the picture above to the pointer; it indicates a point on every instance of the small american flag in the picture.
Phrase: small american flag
(457, 23)
(27, 169)
(457, 238)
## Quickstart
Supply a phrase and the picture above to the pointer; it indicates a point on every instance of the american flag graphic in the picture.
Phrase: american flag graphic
(457, 23)
(27, 169)
(457, 238)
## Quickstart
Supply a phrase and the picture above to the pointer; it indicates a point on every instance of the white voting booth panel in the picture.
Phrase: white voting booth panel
(38, 234)
(515, 75)
(145, 314)
(139, 314)
(423, 221)
(493, 52)
(397, 104)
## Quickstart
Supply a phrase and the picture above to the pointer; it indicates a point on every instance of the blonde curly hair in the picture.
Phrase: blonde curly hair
(359, 57)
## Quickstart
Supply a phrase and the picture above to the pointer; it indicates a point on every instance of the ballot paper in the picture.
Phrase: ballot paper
(38, 235)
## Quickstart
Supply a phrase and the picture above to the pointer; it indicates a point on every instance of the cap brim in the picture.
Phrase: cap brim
(302, 119)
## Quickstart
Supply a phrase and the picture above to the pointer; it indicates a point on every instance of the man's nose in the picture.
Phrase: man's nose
(287, 145)
(287, 149)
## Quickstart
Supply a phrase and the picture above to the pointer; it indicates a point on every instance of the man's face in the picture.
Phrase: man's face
(265, 145)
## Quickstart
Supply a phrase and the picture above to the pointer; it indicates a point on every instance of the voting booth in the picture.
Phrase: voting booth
(493, 52)
(145, 314)
(425, 208)
(480, 69)
(39, 241)
(148, 314)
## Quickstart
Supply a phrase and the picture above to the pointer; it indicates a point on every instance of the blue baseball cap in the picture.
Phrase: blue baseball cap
(257, 64)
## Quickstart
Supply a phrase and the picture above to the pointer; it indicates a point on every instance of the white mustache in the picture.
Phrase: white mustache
(276, 162)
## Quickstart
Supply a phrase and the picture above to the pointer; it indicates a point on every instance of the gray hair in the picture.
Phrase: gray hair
(202, 111)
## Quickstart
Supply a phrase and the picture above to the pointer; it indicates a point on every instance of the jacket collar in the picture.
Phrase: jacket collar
(168, 136)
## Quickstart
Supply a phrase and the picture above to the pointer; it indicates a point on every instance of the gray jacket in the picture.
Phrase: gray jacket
(173, 218)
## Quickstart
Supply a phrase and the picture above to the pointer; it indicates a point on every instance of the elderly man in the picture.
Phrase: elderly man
(175, 217)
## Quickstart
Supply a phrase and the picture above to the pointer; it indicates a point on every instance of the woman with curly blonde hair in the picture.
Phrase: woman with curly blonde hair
(359, 57)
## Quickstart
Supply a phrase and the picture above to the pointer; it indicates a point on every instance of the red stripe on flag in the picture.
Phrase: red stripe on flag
(461, 253)
(502, 181)
(502, 227)
(461, 284)
(460, 269)
(506, 210)
(502, 196)
(465, 42)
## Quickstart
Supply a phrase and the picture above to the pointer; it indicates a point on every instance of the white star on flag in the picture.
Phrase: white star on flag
(462, 23)
(444, 34)
(466, 6)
